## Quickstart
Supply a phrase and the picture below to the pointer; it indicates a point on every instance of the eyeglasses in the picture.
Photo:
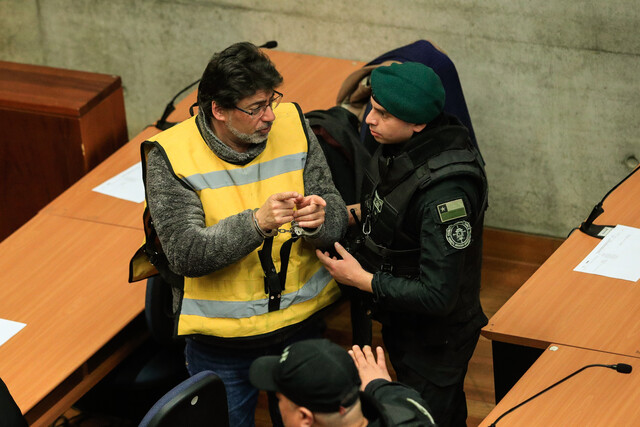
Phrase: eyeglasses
(258, 112)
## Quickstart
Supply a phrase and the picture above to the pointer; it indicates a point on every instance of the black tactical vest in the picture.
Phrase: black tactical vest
(390, 183)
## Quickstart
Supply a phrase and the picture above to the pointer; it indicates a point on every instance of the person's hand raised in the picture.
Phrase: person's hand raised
(368, 367)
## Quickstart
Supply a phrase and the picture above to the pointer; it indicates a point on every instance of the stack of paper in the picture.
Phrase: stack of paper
(617, 255)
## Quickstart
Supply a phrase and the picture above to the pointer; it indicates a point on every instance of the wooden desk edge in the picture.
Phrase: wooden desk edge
(45, 412)
(513, 339)
(592, 357)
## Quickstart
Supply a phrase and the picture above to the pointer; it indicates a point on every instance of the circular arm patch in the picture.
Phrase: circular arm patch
(459, 234)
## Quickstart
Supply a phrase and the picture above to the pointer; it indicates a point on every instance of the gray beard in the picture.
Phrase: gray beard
(247, 138)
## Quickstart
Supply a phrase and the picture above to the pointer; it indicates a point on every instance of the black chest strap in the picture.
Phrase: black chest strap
(274, 281)
(393, 200)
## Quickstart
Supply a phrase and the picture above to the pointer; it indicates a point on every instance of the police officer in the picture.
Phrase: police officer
(423, 200)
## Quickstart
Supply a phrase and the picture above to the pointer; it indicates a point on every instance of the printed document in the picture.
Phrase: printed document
(126, 185)
(617, 255)
(9, 328)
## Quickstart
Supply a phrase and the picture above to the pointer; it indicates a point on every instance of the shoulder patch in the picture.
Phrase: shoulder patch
(451, 210)
(459, 234)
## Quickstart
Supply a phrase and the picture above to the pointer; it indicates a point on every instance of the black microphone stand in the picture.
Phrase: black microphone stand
(621, 367)
(163, 124)
(588, 227)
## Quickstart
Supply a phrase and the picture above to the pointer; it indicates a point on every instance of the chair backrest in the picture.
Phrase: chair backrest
(10, 414)
(200, 400)
(158, 310)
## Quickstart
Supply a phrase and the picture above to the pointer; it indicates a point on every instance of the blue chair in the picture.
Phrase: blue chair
(198, 401)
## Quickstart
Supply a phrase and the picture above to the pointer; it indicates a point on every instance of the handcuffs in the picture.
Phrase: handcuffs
(298, 231)
(295, 230)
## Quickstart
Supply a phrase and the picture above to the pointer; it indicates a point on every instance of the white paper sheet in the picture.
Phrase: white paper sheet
(9, 328)
(617, 255)
(126, 185)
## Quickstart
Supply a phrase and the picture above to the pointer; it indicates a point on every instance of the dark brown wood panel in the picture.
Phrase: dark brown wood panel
(53, 90)
(56, 126)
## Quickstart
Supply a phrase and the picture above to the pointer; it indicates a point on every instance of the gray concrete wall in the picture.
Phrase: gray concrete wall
(552, 87)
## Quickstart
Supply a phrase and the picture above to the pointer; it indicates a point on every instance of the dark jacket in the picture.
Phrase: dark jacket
(424, 203)
(387, 404)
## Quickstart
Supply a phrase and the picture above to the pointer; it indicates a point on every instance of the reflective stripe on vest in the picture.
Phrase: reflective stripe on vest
(248, 175)
(241, 309)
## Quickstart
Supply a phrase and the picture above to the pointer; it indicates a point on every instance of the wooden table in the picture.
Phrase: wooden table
(67, 280)
(81, 202)
(562, 306)
(64, 273)
(596, 396)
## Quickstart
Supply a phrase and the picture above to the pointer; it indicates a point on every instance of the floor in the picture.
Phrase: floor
(509, 260)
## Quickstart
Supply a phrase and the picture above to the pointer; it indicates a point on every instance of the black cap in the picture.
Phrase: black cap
(316, 374)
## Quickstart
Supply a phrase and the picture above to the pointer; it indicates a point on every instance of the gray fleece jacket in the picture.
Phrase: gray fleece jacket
(193, 249)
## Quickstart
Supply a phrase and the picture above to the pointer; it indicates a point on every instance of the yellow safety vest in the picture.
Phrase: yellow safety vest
(232, 302)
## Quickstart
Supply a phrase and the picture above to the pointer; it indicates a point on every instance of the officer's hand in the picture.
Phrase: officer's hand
(368, 368)
(347, 270)
(277, 210)
(310, 213)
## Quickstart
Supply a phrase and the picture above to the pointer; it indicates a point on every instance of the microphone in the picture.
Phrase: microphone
(623, 368)
(591, 229)
(595, 213)
(587, 226)
(163, 124)
(269, 45)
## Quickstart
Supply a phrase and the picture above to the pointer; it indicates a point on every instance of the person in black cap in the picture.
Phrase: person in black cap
(419, 253)
(318, 384)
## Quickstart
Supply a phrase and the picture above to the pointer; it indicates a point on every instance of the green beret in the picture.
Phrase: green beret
(410, 91)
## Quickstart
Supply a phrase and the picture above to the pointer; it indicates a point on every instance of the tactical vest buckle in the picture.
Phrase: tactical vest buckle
(386, 268)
